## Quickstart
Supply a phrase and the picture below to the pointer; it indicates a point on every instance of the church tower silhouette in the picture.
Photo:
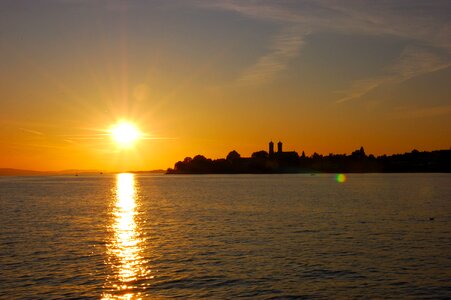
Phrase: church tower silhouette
(271, 148)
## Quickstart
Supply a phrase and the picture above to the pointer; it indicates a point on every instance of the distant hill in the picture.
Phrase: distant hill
(20, 172)
(149, 172)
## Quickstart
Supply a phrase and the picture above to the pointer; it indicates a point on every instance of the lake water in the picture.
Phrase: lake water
(291, 236)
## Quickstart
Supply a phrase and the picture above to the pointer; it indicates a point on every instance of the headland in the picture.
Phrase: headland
(272, 161)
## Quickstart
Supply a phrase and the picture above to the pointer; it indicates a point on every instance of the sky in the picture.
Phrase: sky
(208, 77)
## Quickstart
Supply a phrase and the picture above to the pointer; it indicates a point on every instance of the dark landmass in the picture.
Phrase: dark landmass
(20, 172)
(159, 171)
(263, 162)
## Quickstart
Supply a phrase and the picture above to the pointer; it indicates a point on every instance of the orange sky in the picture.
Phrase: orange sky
(211, 77)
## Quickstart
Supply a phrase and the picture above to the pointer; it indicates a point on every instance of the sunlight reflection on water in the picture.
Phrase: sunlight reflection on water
(277, 236)
(125, 248)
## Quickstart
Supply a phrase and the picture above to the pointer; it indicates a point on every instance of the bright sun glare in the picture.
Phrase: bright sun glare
(125, 134)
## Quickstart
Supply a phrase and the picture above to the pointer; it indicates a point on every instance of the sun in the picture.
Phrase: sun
(125, 134)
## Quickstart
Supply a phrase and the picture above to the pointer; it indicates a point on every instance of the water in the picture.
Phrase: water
(222, 237)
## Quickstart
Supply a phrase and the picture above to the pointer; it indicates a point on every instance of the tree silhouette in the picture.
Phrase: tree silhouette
(260, 155)
(233, 155)
(290, 162)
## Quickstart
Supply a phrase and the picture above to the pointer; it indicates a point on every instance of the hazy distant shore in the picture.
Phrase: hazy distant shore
(21, 172)
(262, 162)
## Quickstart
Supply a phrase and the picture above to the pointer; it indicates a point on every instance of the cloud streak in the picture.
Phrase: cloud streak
(423, 23)
(31, 131)
(415, 113)
(413, 62)
(284, 47)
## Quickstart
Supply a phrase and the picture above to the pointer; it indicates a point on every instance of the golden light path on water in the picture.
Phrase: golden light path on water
(125, 248)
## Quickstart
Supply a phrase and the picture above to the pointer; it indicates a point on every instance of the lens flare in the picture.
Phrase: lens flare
(340, 178)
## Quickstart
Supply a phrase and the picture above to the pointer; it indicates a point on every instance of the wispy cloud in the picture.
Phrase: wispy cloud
(31, 131)
(70, 141)
(413, 61)
(427, 112)
(284, 47)
(424, 23)
(362, 87)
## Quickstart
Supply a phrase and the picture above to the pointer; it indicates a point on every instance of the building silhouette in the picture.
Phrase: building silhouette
(271, 148)
(280, 152)
(287, 159)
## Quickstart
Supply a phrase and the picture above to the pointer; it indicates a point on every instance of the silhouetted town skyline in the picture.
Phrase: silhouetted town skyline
(291, 162)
